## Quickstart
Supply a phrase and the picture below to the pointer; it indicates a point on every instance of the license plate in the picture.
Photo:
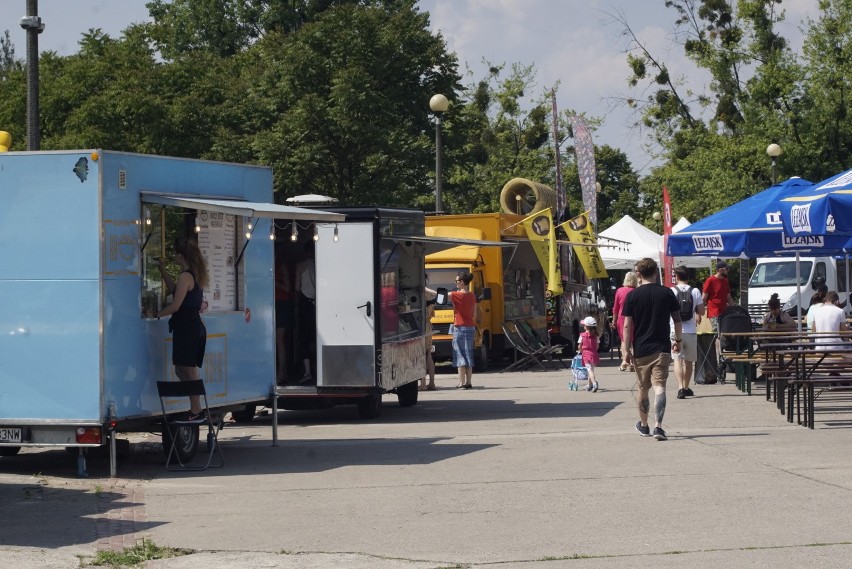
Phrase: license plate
(10, 434)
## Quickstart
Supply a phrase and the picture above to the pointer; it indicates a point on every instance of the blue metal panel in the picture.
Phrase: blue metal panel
(49, 325)
(184, 176)
(239, 363)
(74, 339)
(48, 217)
(49, 341)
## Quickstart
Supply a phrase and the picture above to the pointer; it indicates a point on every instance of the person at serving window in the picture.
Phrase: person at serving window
(189, 336)
(306, 287)
(285, 317)
(464, 326)
(429, 295)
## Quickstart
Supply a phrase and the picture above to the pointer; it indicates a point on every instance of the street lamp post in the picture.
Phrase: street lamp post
(774, 151)
(34, 26)
(439, 105)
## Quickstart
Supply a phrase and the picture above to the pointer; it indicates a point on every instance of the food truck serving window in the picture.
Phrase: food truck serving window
(221, 225)
(220, 237)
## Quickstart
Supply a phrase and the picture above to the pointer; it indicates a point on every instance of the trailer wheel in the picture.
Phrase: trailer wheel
(482, 357)
(605, 341)
(407, 394)
(244, 415)
(370, 407)
(9, 451)
(187, 442)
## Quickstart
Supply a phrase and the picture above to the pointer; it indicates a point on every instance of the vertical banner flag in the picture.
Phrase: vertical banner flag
(585, 151)
(564, 258)
(668, 262)
(542, 236)
(579, 229)
(561, 198)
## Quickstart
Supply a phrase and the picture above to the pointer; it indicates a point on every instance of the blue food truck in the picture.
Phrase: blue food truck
(80, 236)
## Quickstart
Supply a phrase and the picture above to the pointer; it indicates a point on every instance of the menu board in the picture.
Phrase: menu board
(218, 244)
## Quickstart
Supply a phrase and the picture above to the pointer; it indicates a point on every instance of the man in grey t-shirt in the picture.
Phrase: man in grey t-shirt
(688, 354)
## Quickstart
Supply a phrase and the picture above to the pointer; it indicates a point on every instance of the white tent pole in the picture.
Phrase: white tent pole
(798, 294)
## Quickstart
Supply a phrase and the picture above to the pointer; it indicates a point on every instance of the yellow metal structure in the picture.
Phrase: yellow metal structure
(525, 300)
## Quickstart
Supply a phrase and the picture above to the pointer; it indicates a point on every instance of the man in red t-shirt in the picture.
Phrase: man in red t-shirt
(717, 297)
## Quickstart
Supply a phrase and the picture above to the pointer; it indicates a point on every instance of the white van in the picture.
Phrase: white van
(778, 275)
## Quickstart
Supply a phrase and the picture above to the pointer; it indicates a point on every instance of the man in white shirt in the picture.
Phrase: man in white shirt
(829, 318)
(685, 359)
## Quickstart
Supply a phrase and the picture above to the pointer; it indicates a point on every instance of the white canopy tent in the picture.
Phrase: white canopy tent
(682, 223)
(641, 242)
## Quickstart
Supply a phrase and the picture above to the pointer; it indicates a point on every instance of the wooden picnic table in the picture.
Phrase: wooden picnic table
(748, 357)
(796, 364)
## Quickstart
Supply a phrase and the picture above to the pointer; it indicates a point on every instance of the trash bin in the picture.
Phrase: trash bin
(707, 365)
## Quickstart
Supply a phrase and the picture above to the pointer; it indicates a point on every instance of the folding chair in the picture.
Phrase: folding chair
(535, 342)
(530, 355)
(174, 424)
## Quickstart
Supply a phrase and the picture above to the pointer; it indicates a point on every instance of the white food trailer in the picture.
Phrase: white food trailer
(370, 309)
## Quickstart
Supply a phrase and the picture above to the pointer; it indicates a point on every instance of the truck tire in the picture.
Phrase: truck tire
(407, 394)
(482, 356)
(244, 415)
(605, 341)
(9, 451)
(187, 443)
(370, 407)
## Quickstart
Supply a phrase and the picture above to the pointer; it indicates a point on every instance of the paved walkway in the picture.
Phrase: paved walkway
(516, 473)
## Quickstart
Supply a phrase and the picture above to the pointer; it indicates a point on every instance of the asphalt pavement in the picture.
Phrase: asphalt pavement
(518, 472)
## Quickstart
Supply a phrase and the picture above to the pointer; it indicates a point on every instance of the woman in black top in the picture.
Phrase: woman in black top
(189, 333)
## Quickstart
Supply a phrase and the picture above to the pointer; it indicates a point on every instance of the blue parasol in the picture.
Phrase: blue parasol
(753, 228)
(824, 209)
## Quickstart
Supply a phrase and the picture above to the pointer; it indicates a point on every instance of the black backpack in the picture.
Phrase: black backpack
(684, 300)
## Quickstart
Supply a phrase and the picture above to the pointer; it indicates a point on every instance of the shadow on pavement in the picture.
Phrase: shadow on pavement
(250, 452)
(447, 410)
(38, 515)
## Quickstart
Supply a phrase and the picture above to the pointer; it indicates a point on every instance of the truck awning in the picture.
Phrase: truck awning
(242, 208)
(435, 244)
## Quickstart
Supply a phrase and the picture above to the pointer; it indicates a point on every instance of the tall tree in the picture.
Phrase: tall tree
(714, 143)
(827, 96)
(340, 106)
(491, 139)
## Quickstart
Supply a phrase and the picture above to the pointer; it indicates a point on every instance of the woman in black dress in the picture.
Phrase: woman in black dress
(189, 333)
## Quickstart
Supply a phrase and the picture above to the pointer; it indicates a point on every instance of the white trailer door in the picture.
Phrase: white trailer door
(346, 312)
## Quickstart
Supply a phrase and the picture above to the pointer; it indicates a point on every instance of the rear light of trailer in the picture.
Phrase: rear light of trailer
(89, 435)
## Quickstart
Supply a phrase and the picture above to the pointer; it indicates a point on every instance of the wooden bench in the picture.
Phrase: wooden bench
(807, 391)
(762, 349)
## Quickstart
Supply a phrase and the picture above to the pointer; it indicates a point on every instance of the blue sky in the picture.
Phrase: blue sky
(573, 42)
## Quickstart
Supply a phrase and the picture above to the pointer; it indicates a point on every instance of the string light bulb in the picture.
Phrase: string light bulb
(294, 233)
(250, 226)
(336, 234)
(271, 230)
(147, 216)
(316, 232)
(197, 226)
